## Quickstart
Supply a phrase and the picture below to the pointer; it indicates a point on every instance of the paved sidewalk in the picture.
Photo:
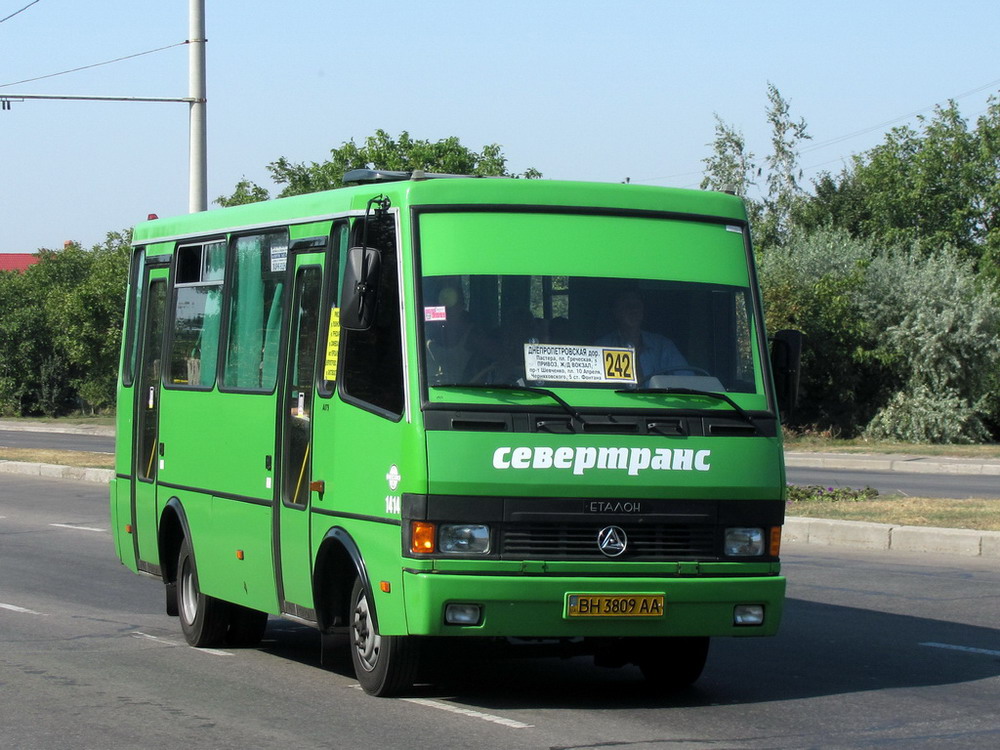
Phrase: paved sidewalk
(15, 425)
(911, 464)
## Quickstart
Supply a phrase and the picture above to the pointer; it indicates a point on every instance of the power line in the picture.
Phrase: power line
(19, 11)
(848, 136)
(893, 121)
(96, 65)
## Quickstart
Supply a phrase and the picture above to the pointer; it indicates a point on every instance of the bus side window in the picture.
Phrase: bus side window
(372, 370)
(255, 307)
(197, 319)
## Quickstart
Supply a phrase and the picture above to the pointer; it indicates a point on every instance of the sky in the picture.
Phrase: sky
(578, 89)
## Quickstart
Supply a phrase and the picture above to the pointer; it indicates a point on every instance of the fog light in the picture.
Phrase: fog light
(464, 538)
(748, 614)
(742, 542)
(463, 614)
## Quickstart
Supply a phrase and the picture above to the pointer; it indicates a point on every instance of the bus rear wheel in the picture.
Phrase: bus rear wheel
(385, 665)
(204, 619)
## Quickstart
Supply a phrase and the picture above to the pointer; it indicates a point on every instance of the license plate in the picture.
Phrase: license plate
(615, 605)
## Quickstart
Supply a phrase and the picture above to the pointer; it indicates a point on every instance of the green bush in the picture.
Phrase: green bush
(899, 344)
(817, 493)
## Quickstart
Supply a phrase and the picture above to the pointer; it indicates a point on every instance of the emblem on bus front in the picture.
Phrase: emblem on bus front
(612, 540)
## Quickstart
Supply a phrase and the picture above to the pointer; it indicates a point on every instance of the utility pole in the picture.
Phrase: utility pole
(197, 128)
(197, 120)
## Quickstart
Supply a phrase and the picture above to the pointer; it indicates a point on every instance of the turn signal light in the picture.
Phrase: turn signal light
(775, 547)
(422, 537)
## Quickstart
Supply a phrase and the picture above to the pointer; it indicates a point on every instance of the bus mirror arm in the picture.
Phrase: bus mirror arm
(786, 357)
(359, 292)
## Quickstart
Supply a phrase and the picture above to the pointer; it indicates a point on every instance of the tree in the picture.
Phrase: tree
(731, 166)
(60, 331)
(934, 186)
(784, 190)
(380, 151)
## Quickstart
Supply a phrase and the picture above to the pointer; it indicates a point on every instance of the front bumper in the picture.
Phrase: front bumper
(535, 606)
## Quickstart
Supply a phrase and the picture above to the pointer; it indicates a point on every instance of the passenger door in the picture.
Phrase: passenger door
(146, 406)
(297, 402)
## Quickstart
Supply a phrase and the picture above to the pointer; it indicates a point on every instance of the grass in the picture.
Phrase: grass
(60, 458)
(846, 504)
(978, 514)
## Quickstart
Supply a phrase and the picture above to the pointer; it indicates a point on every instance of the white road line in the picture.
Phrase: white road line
(22, 610)
(450, 708)
(966, 649)
(76, 528)
(168, 642)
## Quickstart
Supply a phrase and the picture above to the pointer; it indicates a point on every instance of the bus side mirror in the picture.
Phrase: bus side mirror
(786, 356)
(359, 293)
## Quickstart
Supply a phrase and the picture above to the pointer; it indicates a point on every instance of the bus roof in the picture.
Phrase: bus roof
(457, 191)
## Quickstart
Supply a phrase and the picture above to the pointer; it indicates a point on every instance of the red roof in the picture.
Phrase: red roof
(16, 261)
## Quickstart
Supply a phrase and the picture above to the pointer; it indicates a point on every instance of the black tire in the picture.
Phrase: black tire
(246, 627)
(385, 665)
(672, 663)
(204, 619)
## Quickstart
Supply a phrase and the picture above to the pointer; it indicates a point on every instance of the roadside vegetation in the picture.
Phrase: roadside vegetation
(844, 504)
(59, 458)
(891, 269)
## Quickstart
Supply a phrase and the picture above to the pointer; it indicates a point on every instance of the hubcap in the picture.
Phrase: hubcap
(187, 593)
(366, 641)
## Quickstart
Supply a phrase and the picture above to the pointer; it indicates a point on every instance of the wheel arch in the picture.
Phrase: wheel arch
(338, 563)
(173, 529)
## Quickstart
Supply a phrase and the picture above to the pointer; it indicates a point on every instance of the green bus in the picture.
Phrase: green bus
(426, 408)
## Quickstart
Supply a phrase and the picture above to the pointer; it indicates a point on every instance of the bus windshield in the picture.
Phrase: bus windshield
(683, 322)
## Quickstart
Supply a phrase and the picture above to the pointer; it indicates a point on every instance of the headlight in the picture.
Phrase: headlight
(742, 542)
(464, 538)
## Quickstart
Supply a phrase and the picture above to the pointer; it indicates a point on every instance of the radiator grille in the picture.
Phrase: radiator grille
(577, 541)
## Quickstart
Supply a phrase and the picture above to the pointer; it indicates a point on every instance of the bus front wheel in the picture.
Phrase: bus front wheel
(384, 664)
(204, 619)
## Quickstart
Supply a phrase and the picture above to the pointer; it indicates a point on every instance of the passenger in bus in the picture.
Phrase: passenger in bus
(655, 354)
(454, 346)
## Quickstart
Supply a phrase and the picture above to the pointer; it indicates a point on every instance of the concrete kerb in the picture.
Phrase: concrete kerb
(891, 538)
(54, 471)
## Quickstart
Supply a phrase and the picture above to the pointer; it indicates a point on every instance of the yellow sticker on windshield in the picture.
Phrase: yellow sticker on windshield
(332, 346)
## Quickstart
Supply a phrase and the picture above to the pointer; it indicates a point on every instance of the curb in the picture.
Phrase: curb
(53, 471)
(891, 538)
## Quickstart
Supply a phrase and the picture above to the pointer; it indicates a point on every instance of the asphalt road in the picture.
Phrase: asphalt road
(874, 650)
(960, 486)
(56, 441)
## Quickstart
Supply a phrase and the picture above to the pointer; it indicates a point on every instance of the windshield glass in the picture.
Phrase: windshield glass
(591, 327)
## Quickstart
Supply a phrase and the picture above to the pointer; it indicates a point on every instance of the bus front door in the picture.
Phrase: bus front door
(298, 401)
(145, 436)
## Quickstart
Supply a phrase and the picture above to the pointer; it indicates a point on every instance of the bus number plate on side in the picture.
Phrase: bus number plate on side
(615, 605)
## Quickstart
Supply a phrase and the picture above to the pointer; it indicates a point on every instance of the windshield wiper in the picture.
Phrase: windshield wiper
(520, 388)
(744, 415)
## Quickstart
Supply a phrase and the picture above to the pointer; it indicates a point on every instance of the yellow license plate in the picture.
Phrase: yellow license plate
(615, 605)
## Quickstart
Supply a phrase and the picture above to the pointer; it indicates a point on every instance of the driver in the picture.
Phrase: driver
(655, 354)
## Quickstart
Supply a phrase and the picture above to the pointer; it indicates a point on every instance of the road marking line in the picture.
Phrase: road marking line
(168, 642)
(22, 610)
(76, 528)
(966, 649)
(469, 712)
